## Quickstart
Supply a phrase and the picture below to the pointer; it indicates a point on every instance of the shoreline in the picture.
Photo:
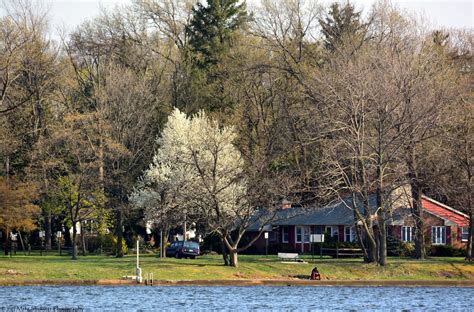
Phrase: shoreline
(244, 282)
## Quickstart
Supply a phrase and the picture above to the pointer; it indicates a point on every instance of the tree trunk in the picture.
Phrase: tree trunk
(119, 251)
(7, 241)
(164, 240)
(234, 261)
(360, 239)
(374, 248)
(381, 217)
(417, 210)
(225, 254)
(101, 164)
(74, 241)
(382, 242)
(101, 155)
(470, 241)
(67, 238)
(22, 244)
(372, 244)
(83, 242)
(7, 168)
(162, 245)
(48, 230)
(420, 252)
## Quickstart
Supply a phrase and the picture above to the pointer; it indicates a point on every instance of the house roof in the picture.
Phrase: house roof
(336, 215)
(341, 213)
(445, 212)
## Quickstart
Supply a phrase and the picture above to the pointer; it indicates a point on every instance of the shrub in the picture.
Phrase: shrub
(105, 243)
(407, 249)
(114, 244)
(446, 251)
(252, 250)
(334, 243)
(394, 246)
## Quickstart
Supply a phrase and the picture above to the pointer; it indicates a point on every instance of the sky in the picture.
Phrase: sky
(441, 13)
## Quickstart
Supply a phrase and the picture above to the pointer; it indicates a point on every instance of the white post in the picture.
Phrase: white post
(138, 270)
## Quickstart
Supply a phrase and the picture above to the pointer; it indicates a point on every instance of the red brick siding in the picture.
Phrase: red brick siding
(291, 228)
(396, 231)
(448, 235)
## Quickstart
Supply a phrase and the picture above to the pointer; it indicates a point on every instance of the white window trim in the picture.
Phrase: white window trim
(334, 230)
(352, 233)
(411, 230)
(296, 234)
(283, 234)
(303, 233)
(462, 234)
(272, 237)
(434, 237)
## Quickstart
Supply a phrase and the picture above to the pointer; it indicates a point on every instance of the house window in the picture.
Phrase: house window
(285, 234)
(302, 232)
(299, 234)
(349, 234)
(307, 232)
(272, 236)
(333, 230)
(408, 233)
(465, 234)
(438, 235)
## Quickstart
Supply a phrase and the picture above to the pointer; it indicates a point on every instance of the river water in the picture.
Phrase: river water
(255, 298)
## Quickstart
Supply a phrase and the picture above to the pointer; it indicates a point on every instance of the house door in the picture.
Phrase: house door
(302, 237)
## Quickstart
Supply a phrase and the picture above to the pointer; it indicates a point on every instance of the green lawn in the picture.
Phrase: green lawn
(211, 268)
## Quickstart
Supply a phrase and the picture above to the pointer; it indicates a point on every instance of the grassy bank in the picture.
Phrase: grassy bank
(27, 268)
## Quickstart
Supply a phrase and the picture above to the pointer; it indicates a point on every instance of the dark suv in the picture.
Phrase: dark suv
(183, 249)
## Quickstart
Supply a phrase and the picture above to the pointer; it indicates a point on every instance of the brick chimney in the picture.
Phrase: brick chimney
(285, 204)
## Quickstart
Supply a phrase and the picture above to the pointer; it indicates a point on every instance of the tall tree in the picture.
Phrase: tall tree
(122, 83)
(212, 28)
(342, 22)
(17, 209)
(456, 159)
(200, 158)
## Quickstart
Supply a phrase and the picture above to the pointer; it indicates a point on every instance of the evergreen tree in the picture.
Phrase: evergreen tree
(211, 28)
(341, 22)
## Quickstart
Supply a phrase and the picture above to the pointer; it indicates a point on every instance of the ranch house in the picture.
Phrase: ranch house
(290, 232)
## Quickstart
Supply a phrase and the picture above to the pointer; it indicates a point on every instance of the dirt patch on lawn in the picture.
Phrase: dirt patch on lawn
(12, 272)
(447, 274)
(300, 277)
(239, 275)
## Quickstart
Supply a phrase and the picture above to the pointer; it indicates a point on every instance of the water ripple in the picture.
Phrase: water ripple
(255, 298)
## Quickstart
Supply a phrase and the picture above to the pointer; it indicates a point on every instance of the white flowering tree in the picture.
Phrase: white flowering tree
(199, 170)
(218, 186)
(159, 192)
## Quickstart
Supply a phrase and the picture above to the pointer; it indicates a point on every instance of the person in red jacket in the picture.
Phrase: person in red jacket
(315, 274)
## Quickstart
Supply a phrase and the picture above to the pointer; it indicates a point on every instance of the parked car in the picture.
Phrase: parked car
(183, 249)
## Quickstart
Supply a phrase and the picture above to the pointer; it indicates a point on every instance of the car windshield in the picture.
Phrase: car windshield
(189, 244)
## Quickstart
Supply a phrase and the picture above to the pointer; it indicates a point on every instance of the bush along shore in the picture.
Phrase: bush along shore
(254, 270)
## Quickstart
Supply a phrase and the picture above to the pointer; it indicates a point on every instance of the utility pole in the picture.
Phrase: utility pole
(161, 244)
(184, 232)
